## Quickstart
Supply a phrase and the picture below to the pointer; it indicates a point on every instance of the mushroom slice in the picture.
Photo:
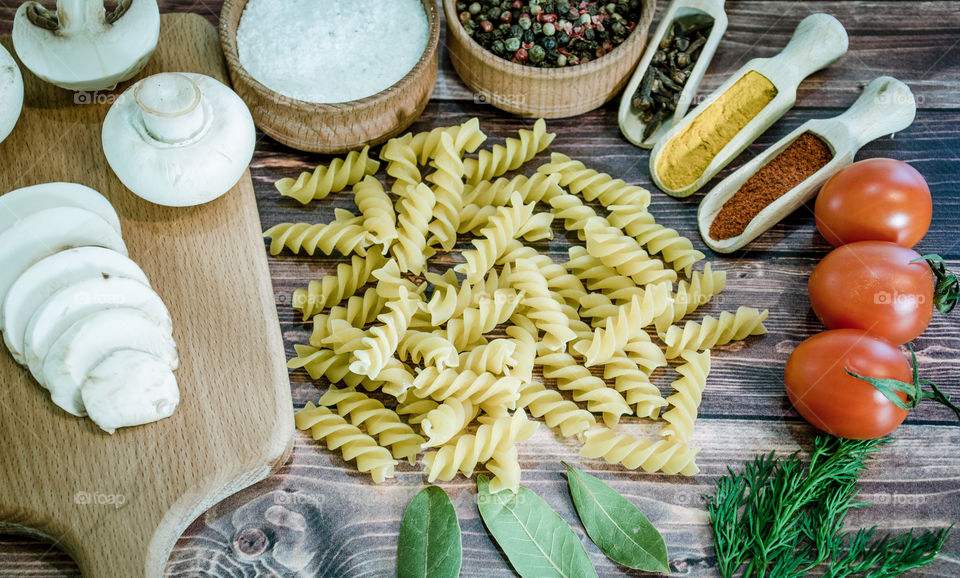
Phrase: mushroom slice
(11, 93)
(71, 304)
(51, 274)
(19, 203)
(129, 388)
(47, 232)
(81, 46)
(89, 341)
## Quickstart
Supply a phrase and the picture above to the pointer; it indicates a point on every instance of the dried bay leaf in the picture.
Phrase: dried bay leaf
(429, 543)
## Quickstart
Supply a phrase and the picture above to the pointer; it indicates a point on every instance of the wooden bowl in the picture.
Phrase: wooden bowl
(340, 127)
(544, 92)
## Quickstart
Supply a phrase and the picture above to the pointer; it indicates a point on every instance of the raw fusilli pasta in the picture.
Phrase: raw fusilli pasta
(416, 208)
(688, 394)
(676, 250)
(479, 388)
(647, 355)
(383, 339)
(586, 387)
(541, 307)
(506, 225)
(352, 443)
(619, 289)
(508, 156)
(669, 457)
(556, 411)
(389, 281)
(616, 250)
(711, 331)
(323, 362)
(690, 295)
(338, 175)
(538, 187)
(467, 137)
(448, 191)
(333, 289)
(634, 385)
(468, 329)
(447, 420)
(497, 357)
(346, 234)
(594, 185)
(376, 207)
(401, 161)
(359, 310)
(428, 349)
(378, 421)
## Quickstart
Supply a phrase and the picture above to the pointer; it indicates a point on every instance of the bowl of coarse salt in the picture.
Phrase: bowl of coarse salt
(335, 75)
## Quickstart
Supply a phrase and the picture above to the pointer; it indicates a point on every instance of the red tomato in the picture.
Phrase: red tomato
(842, 405)
(875, 200)
(873, 286)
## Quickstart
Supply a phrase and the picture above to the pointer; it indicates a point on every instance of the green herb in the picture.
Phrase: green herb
(915, 392)
(780, 518)
(429, 544)
(615, 525)
(536, 540)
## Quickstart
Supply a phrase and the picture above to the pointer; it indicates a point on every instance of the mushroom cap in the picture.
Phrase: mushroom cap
(93, 54)
(11, 93)
(89, 341)
(129, 388)
(50, 231)
(192, 172)
(51, 274)
(19, 203)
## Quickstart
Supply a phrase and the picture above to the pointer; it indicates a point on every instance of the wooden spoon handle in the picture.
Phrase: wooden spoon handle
(819, 41)
(885, 107)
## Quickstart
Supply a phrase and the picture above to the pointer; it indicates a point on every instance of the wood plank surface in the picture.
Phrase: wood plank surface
(336, 523)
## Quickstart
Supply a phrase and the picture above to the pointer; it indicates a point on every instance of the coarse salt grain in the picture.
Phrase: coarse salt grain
(328, 51)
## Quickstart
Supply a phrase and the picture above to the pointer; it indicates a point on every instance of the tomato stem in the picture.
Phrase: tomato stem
(946, 292)
(915, 391)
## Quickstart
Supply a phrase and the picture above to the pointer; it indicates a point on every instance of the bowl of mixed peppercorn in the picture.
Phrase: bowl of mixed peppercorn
(546, 58)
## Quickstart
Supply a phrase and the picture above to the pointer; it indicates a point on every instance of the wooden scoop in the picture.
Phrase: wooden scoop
(885, 107)
(687, 12)
(819, 41)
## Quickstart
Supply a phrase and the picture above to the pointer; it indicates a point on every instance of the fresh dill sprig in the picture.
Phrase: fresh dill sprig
(782, 518)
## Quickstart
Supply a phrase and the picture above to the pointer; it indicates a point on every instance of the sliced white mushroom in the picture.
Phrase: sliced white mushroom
(20, 203)
(71, 304)
(129, 388)
(178, 139)
(11, 93)
(89, 341)
(47, 232)
(51, 274)
(81, 46)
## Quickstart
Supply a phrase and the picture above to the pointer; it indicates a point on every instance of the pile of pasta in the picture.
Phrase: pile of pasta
(453, 354)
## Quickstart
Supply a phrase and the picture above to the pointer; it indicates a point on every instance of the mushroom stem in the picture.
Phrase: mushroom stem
(80, 15)
(170, 104)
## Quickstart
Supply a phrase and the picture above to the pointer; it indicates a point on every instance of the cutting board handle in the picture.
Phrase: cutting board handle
(819, 41)
(885, 107)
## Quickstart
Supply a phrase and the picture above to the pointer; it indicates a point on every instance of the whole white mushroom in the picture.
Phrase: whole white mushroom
(11, 93)
(179, 139)
(81, 46)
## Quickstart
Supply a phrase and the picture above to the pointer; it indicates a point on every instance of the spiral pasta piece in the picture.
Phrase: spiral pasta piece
(410, 249)
(468, 329)
(688, 394)
(370, 415)
(619, 289)
(674, 248)
(345, 234)
(597, 307)
(635, 386)
(497, 357)
(669, 457)
(353, 444)
(359, 310)
(711, 331)
(501, 228)
(395, 378)
(556, 411)
(375, 205)
(447, 420)
(390, 280)
(691, 295)
(323, 362)
(383, 339)
(594, 185)
(532, 189)
(333, 289)
(466, 137)
(508, 156)
(614, 249)
(450, 298)
(401, 161)
(586, 387)
(478, 388)
(525, 354)
(647, 355)
(504, 464)
(448, 191)
(562, 283)
(428, 349)
(466, 451)
(574, 214)
(415, 408)
(338, 175)
(627, 324)
(542, 308)
(344, 338)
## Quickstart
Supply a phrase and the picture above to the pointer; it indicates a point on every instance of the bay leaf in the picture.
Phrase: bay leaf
(538, 543)
(429, 543)
(615, 525)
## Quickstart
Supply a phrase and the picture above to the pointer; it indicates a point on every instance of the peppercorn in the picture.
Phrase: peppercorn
(515, 32)
(525, 22)
(589, 34)
(537, 53)
(464, 16)
(549, 29)
(512, 44)
(506, 17)
(549, 43)
(498, 47)
(561, 61)
(475, 8)
(521, 55)
(517, 4)
(528, 36)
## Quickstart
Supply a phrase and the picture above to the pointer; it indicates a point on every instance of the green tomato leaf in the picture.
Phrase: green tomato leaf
(429, 544)
(537, 541)
(615, 525)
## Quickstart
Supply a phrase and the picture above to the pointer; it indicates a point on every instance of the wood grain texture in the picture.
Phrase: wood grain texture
(318, 514)
(118, 503)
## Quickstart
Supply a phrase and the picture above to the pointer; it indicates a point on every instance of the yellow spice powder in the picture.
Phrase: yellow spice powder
(690, 152)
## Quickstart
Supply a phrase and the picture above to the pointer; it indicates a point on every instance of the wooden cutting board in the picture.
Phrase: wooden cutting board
(118, 503)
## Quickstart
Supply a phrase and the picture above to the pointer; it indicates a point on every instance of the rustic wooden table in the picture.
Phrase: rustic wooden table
(340, 524)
